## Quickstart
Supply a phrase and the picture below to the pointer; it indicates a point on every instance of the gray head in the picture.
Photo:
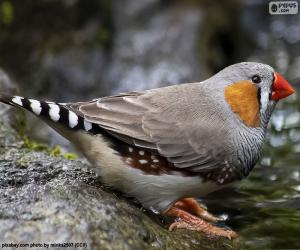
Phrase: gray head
(270, 85)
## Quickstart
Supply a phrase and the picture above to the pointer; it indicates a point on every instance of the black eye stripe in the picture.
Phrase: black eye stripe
(259, 96)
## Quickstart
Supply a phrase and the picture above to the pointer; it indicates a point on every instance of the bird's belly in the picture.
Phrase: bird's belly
(160, 192)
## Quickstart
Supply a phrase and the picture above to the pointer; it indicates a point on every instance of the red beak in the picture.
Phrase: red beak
(280, 88)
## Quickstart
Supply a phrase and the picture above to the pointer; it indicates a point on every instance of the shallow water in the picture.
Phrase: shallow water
(265, 207)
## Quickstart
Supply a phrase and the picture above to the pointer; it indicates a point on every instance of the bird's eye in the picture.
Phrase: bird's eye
(256, 79)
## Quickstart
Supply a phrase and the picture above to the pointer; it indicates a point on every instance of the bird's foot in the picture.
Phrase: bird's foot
(191, 206)
(191, 222)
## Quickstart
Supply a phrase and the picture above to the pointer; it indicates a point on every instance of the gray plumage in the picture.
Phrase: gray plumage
(190, 124)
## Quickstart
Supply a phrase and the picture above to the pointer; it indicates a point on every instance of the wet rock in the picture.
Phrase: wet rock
(45, 199)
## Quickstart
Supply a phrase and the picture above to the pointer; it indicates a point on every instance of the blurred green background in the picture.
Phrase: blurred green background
(71, 50)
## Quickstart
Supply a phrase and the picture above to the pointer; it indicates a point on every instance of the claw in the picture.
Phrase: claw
(191, 222)
(216, 231)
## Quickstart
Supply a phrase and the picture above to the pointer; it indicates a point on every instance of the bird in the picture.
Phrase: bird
(167, 146)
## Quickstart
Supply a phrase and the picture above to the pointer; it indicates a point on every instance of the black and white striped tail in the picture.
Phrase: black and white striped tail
(56, 112)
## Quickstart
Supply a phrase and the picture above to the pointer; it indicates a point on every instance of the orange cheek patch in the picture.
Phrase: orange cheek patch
(242, 99)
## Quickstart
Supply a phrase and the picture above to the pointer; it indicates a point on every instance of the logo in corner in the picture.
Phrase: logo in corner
(283, 8)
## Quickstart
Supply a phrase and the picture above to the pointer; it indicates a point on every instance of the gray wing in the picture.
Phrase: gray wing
(166, 122)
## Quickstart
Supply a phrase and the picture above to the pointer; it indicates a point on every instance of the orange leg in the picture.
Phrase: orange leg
(190, 205)
(191, 222)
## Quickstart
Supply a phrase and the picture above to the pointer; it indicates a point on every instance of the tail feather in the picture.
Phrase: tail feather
(5, 98)
(55, 112)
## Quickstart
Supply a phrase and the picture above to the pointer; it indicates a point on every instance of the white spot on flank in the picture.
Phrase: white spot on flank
(130, 149)
(128, 161)
(73, 119)
(155, 161)
(54, 112)
(141, 152)
(153, 157)
(17, 100)
(221, 181)
(153, 166)
(35, 106)
(143, 161)
(87, 125)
